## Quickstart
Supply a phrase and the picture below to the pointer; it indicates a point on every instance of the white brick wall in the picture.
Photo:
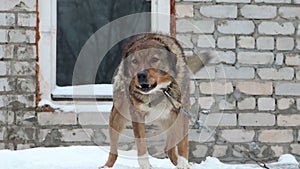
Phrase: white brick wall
(219, 11)
(255, 58)
(259, 12)
(236, 27)
(276, 74)
(274, 28)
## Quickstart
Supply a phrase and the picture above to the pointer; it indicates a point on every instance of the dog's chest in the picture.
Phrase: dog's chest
(157, 108)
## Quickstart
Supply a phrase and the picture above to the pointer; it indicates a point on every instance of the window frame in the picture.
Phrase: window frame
(56, 97)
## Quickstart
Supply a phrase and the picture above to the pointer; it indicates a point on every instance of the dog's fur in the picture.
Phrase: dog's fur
(161, 61)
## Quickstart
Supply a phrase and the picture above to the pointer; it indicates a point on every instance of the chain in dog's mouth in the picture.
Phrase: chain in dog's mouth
(146, 87)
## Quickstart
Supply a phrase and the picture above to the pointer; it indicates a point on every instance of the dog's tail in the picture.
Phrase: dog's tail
(197, 62)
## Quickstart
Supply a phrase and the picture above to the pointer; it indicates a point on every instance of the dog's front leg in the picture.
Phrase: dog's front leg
(138, 123)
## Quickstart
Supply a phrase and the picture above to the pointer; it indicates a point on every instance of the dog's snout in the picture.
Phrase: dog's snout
(142, 77)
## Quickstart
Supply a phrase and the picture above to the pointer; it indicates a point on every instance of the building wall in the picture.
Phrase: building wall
(251, 88)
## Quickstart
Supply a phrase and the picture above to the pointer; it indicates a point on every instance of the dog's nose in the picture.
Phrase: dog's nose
(142, 77)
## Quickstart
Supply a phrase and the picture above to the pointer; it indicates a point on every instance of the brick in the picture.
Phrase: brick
(2, 133)
(236, 27)
(26, 85)
(3, 36)
(207, 72)
(247, 104)
(298, 42)
(3, 68)
(206, 41)
(26, 52)
(6, 117)
(255, 88)
(219, 150)
(20, 5)
(219, 11)
(227, 57)
(185, 40)
(57, 118)
(28, 19)
(279, 59)
(259, 12)
(297, 1)
(23, 68)
(225, 105)
(28, 100)
(197, 0)
(266, 104)
(2, 146)
(256, 58)
(200, 151)
(275, 136)
(285, 103)
(195, 26)
(234, 1)
(217, 88)
(93, 118)
(184, 10)
(298, 139)
(292, 59)
(274, 1)
(226, 42)
(6, 51)
(7, 19)
(202, 136)
(24, 146)
(278, 150)
(21, 36)
(285, 43)
(219, 119)
(288, 120)
(6, 85)
(287, 89)
(256, 119)
(226, 72)
(246, 42)
(237, 135)
(295, 149)
(298, 74)
(206, 102)
(289, 12)
(286, 73)
(274, 28)
(265, 43)
(70, 135)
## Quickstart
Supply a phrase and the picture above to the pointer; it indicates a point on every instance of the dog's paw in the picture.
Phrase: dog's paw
(144, 162)
(103, 167)
(182, 163)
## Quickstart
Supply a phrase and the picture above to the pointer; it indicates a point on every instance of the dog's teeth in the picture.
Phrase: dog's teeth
(149, 86)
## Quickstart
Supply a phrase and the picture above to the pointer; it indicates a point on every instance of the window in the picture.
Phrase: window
(63, 37)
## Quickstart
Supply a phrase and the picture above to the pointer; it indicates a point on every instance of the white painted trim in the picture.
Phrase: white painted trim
(47, 47)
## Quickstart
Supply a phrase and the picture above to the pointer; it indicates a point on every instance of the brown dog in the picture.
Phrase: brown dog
(151, 63)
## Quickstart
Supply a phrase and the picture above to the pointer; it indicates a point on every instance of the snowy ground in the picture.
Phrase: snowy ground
(87, 157)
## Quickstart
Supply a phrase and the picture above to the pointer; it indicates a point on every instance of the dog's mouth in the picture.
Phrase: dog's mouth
(146, 87)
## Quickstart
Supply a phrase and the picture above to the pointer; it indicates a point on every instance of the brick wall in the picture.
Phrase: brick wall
(17, 73)
(251, 89)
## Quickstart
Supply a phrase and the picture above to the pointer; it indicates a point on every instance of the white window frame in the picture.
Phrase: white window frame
(47, 59)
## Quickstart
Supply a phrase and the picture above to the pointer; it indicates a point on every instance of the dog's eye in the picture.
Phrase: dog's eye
(135, 61)
(154, 60)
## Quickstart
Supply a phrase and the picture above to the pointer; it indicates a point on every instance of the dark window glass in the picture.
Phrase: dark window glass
(77, 20)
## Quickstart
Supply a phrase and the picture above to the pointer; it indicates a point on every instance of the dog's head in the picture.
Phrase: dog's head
(150, 81)
(148, 53)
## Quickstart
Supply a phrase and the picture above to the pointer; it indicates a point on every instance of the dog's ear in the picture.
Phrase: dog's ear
(197, 62)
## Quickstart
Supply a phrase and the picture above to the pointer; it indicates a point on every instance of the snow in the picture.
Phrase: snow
(85, 90)
(91, 157)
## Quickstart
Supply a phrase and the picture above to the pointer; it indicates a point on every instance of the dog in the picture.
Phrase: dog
(150, 86)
